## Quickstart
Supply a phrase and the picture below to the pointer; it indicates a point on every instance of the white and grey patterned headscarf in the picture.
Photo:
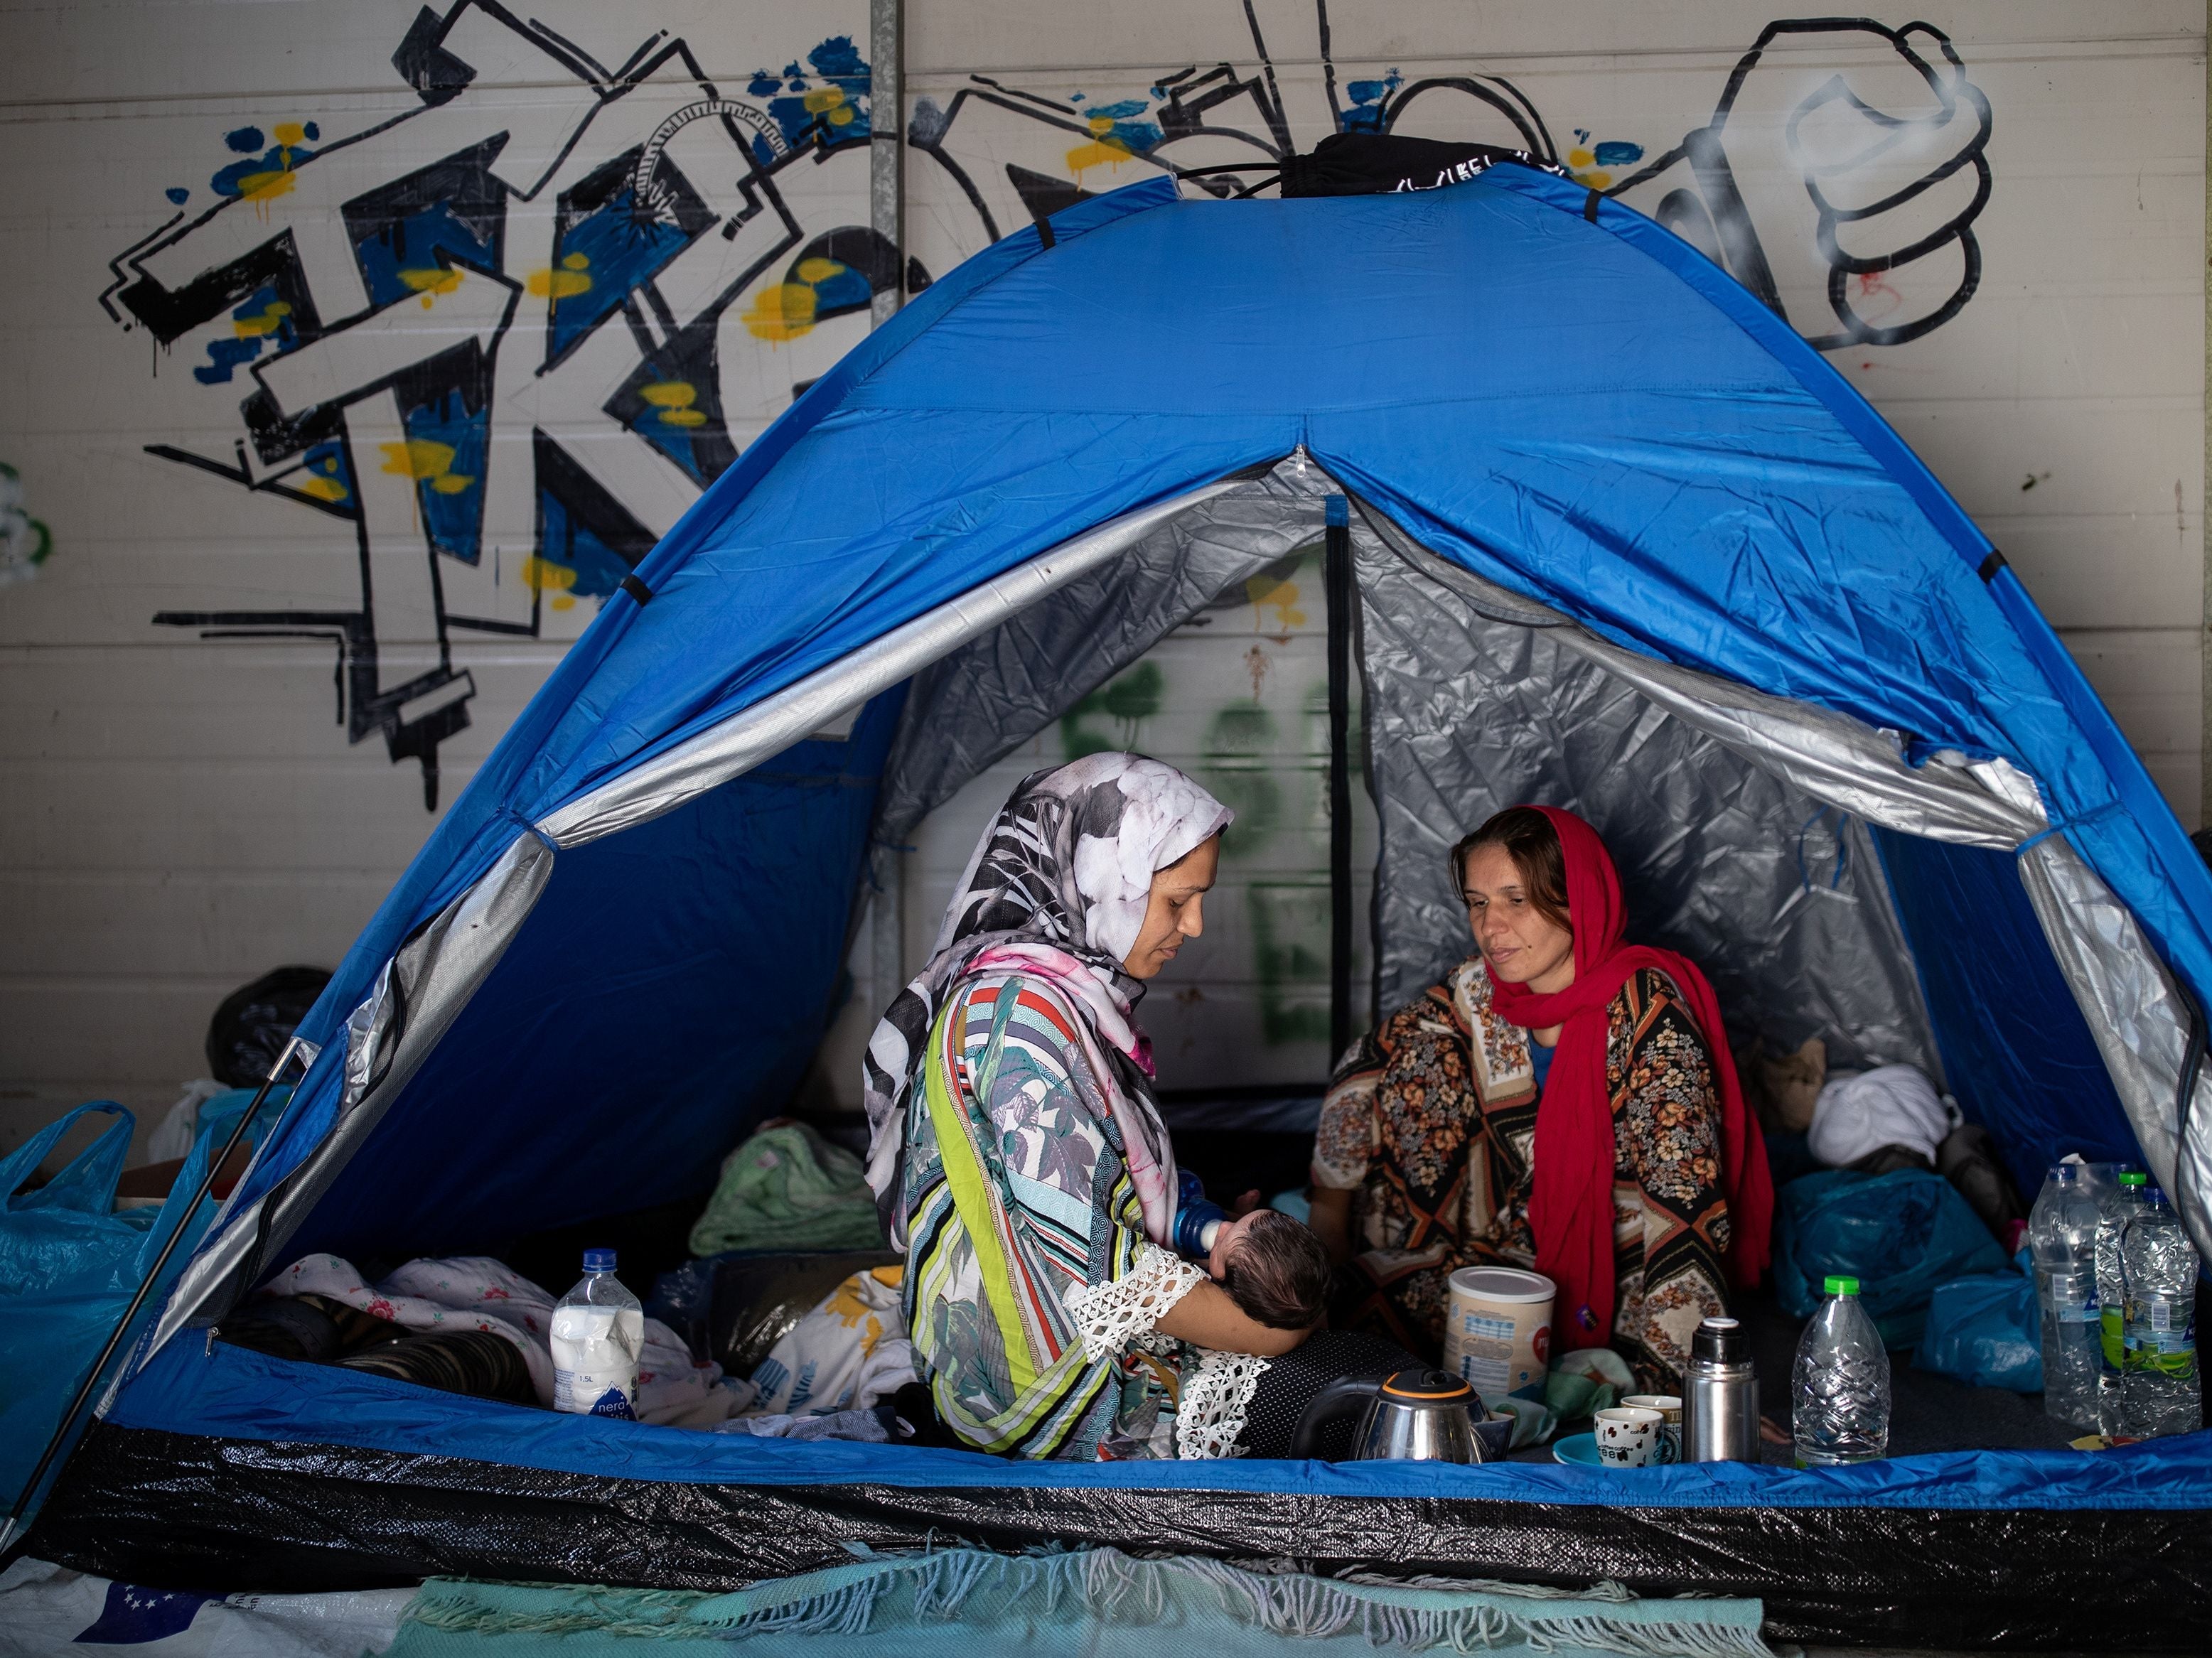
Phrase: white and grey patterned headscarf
(1068, 862)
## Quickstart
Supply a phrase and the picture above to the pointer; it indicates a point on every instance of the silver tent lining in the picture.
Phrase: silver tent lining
(2122, 989)
(2126, 997)
(1776, 894)
(417, 997)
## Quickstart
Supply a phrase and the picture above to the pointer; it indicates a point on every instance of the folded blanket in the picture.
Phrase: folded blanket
(849, 1354)
(474, 1292)
(788, 1188)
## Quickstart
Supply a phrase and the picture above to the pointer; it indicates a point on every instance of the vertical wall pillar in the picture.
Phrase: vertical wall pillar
(887, 150)
(2204, 637)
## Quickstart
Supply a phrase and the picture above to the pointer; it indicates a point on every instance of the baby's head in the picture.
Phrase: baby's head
(1274, 1268)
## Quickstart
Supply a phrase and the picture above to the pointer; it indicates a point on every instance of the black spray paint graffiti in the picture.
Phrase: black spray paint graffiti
(490, 334)
(451, 323)
(1839, 153)
(1874, 215)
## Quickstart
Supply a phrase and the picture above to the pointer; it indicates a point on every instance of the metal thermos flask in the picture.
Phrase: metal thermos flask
(1720, 1395)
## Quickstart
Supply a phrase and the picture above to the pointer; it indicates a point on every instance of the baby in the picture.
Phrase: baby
(1273, 1268)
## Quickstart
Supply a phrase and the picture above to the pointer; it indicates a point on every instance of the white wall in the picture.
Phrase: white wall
(180, 813)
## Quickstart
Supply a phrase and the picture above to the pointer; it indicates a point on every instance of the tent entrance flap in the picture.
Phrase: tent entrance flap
(1746, 826)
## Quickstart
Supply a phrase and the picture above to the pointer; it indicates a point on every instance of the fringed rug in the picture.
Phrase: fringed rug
(961, 1603)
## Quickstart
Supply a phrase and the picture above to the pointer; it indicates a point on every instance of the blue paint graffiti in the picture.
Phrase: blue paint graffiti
(828, 107)
(563, 539)
(618, 251)
(1138, 137)
(262, 316)
(451, 489)
(329, 476)
(255, 172)
(413, 244)
(177, 194)
(1367, 99)
(1619, 154)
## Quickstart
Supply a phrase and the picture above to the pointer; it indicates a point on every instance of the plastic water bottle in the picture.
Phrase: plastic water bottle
(2118, 1203)
(599, 1331)
(2062, 1233)
(1840, 1390)
(2158, 1388)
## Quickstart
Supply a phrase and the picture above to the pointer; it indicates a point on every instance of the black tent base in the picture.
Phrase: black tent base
(184, 1512)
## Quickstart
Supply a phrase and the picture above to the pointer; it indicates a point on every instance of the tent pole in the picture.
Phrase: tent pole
(1336, 582)
(14, 1524)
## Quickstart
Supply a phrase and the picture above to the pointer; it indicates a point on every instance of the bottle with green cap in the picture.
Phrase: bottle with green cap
(1839, 1391)
(2159, 1391)
(2116, 1205)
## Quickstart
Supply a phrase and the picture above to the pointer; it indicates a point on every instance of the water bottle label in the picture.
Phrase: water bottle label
(2111, 1338)
(2162, 1337)
(2077, 1308)
(615, 1403)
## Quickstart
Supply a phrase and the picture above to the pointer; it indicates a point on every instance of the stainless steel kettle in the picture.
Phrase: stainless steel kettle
(1412, 1416)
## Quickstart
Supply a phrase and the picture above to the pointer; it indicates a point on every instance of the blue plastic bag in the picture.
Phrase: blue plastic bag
(1900, 1235)
(1985, 1331)
(69, 1264)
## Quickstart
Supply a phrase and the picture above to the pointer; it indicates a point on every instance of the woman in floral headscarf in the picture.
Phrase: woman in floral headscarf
(1019, 1160)
(1564, 1100)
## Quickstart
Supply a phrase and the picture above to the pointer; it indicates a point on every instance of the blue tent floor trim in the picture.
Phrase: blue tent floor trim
(194, 1512)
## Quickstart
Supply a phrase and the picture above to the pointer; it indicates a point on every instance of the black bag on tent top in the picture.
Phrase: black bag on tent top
(1380, 163)
(255, 1021)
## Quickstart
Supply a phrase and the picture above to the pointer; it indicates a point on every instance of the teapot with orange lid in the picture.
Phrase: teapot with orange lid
(1411, 1416)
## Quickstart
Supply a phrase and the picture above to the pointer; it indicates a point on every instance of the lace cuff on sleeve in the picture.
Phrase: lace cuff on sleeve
(1216, 1393)
(1109, 1314)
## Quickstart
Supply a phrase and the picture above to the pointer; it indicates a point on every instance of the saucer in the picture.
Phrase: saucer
(1579, 1450)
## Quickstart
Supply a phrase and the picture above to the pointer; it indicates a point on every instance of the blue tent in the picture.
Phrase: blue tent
(1545, 414)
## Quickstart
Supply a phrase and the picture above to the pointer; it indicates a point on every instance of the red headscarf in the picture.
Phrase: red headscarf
(1570, 1208)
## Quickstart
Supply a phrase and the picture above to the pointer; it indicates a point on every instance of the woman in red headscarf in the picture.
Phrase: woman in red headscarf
(1563, 1101)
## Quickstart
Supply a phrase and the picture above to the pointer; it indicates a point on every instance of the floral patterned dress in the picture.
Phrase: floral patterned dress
(1032, 1290)
(1430, 1124)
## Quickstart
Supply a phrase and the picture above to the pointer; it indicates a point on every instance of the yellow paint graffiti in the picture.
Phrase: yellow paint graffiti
(1104, 149)
(267, 321)
(829, 102)
(815, 272)
(544, 576)
(781, 311)
(1266, 593)
(674, 399)
(431, 281)
(263, 188)
(573, 277)
(323, 482)
(1580, 159)
(426, 461)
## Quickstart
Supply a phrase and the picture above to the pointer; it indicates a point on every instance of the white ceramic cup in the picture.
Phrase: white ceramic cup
(1629, 1436)
(1670, 1408)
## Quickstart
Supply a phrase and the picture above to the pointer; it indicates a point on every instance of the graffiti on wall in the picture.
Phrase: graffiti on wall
(506, 336)
(25, 541)
(1838, 173)
(488, 334)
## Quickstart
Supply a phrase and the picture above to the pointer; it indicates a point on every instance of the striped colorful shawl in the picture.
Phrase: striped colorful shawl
(1029, 1269)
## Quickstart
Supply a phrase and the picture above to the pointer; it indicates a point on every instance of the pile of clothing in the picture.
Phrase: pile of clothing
(467, 1325)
